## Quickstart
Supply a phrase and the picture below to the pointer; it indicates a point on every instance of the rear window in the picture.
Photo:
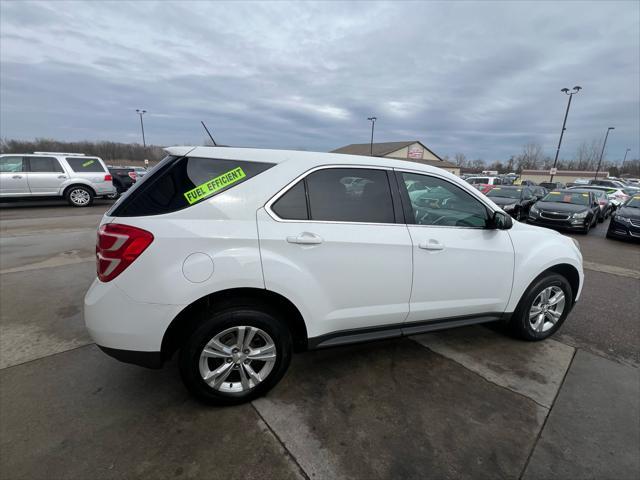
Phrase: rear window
(85, 164)
(177, 183)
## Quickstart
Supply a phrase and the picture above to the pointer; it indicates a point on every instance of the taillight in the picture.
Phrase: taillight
(117, 247)
(108, 178)
(133, 176)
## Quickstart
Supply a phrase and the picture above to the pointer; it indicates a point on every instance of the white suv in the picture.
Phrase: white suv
(237, 257)
(73, 176)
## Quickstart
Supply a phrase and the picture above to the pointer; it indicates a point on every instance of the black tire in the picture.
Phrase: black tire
(520, 325)
(79, 196)
(257, 316)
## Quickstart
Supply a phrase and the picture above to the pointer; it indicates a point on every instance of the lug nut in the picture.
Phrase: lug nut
(235, 350)
(247, 351)
(228, 360)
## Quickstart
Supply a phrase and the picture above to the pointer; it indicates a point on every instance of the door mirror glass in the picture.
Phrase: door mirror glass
(501, 221)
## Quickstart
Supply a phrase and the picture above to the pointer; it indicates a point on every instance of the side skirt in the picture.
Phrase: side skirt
(359, 335)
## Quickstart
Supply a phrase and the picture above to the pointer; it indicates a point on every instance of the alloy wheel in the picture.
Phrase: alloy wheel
(80, 196)
(547, 309)
(237, 359)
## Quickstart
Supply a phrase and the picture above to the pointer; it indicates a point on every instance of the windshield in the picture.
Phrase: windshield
(505, 192)
(575, 198)
(634, 202)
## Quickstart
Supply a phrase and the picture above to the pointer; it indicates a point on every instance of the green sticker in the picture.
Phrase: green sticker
(554, 193)
(88, 162)
(212, 186)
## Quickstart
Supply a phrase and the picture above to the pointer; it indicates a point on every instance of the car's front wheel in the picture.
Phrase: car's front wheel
(543, 308)
(235, 355)
(79, 196)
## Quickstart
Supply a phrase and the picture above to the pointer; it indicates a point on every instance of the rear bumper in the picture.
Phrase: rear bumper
(118, 323)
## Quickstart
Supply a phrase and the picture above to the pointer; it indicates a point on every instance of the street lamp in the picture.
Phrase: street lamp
(373, 123)
(604, 144)
(142, 112)
(576, 89)
(625, 158)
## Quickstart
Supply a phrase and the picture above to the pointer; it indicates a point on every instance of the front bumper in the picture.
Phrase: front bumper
(118, 324)
(568, 224)
(623, 230)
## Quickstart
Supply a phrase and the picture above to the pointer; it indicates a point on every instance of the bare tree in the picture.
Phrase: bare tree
(531, 157)
(587, 155)
(460, 160)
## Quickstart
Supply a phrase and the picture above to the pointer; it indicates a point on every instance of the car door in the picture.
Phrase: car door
(462, 269)
(340, 251)
(45, 175)
(13, 176)
(528, 199)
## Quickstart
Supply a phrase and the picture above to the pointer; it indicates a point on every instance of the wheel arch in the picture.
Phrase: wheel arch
(78, 184)
(189, 318)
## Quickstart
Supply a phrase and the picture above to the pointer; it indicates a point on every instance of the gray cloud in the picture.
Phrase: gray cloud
(479, 78)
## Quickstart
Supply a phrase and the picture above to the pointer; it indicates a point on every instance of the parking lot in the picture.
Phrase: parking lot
(464, 403)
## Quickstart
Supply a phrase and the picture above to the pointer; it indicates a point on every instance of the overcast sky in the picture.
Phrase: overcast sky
(478, 78)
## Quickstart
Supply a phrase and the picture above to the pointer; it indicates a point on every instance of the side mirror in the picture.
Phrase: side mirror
(500, 221)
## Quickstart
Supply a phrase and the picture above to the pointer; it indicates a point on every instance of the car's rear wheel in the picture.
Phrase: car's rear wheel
(235, 355)
(79, 196)
(543, 308)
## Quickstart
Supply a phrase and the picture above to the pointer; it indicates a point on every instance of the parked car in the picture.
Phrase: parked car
(607, 183)
(552, 185)
(625, 223)
(123, 178)
(514, 200)
(484, 180)
(72, 176)
(617, 196)
(482, 188)
(539, 192)
(235, 258)
(566, 209)
(581, 181)
(606, 207)
(140, 171)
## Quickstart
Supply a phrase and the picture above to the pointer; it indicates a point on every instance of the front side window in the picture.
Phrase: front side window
(11, 164)
(442, 204)
(85, 164)
(350, 195)
(44, 165)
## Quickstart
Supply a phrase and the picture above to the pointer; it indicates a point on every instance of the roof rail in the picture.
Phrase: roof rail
(60, 153)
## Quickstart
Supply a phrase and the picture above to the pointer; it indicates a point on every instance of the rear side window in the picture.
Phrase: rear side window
(350, 195)
(85, 164)
(11, 165)
(178, 183)
(44, 165)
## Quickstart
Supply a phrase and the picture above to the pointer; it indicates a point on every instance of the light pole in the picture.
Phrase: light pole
(142, 112)
(625, 158)
(576, 89)
(604, 144)
(373, 124)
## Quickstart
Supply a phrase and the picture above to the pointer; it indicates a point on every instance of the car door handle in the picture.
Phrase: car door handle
(17, 176)
(431, 245)
(62, 176)
(305, 238)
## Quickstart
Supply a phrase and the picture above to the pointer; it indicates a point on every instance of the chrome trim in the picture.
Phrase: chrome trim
(267, 206)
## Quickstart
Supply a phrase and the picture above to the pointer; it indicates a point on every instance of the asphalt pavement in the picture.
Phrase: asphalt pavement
(464, 403)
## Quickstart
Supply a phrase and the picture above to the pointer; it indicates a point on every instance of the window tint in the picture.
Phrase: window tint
(293, 204)
(443, 204)
(177, 183)
(85, 164)
(11, 164)
(44, 165)
(350, 195)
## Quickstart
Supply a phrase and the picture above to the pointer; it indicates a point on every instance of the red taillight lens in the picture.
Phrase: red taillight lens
(108, 178)
(133, 176)
(117, 247)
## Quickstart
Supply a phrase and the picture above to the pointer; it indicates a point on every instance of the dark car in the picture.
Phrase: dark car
(515, 200)
(123, 178)
(625, 223)
(606, 207)
(539, 192)
(566, 209)
(552, 185)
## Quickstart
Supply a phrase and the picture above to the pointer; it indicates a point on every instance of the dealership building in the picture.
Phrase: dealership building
(413, 151)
